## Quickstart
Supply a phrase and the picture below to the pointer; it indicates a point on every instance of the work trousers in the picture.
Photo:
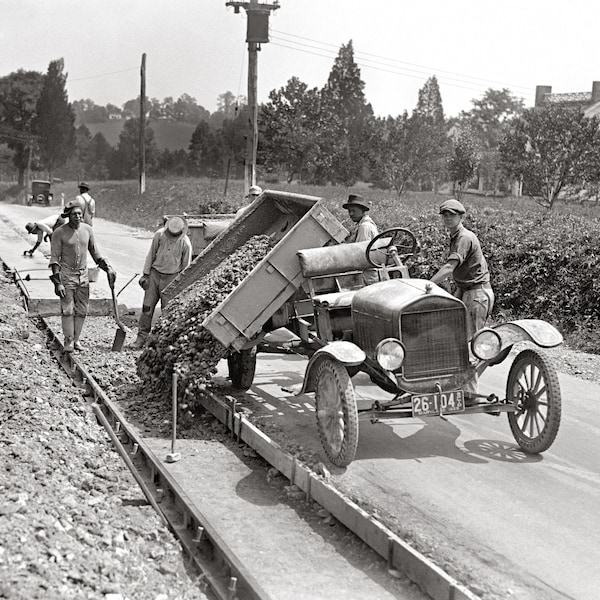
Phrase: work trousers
(157, 282)
(76, 301)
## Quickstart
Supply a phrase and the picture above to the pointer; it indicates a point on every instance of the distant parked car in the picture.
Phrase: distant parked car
(40, 193)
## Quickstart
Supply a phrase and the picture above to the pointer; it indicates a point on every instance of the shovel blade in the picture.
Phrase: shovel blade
(119, 340)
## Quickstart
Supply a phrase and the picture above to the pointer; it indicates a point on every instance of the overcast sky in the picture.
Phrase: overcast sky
(198, 47)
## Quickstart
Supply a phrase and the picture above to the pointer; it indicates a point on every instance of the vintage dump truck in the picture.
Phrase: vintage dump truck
(407, 334)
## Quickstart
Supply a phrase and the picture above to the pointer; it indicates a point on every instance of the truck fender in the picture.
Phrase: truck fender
(529, 330)
(347, 353)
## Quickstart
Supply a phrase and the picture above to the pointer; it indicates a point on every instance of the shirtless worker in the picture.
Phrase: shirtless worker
(68, 260)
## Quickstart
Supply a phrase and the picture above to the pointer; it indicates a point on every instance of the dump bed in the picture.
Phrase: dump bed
(295, 222)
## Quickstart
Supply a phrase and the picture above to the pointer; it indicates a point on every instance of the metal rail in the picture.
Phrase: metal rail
(221, 574)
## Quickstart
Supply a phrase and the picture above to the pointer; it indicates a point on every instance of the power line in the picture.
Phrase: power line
(396, 61)
(104, 74)
(421, 75)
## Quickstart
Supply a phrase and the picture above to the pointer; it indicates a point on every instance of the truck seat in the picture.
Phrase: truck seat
(328, 260)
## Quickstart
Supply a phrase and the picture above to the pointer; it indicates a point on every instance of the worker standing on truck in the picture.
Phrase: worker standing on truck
(468, 268)
(365, 231)
(43, 229)
(68, 260)
(169, 254)
(87, 202)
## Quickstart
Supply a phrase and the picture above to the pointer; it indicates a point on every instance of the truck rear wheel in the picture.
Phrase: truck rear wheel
(533, 388)
(337, 413)
(242, 366)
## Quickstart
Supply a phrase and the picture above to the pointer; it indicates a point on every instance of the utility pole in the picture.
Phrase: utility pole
(142, 165)
(257, 33)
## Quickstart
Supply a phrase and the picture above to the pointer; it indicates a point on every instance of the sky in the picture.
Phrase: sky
(198, 47)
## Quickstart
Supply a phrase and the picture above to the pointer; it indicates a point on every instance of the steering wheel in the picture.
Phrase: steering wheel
(390, 246)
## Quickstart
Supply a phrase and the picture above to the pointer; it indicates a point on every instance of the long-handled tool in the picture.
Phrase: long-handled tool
(174, 456)
(121, 333)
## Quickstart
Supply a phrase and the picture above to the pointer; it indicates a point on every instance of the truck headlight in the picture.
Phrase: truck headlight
(486, 344)
(390, 354)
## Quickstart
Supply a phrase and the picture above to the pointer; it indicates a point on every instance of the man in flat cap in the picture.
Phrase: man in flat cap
(467, 267)
(365, 231)
(169, 254)
(87, 202)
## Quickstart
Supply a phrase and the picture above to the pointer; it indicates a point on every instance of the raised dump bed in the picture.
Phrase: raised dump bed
(295, 222)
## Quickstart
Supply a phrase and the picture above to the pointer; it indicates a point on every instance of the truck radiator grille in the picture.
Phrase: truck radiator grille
(435, 341)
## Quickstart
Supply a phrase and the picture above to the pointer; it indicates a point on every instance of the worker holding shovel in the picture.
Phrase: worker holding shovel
(68, 260)
(169, 254)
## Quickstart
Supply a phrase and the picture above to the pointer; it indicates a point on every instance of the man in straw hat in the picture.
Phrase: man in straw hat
(365, 231)
(69, 246)
(169, 254)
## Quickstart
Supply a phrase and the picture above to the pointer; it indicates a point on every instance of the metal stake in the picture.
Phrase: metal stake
(174, 456)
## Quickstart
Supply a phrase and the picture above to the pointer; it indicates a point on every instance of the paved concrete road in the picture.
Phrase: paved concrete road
(465, 480)
(125, 248)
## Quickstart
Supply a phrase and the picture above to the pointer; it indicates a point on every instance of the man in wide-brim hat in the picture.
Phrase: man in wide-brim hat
(169, 254)
(365, 231)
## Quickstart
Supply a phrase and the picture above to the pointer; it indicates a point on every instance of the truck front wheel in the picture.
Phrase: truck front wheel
(337, 413)
(534, 390)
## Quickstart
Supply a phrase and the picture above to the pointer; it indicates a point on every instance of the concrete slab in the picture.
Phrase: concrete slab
(125, 248)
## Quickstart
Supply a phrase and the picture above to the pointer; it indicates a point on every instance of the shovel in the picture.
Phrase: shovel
(121, 333)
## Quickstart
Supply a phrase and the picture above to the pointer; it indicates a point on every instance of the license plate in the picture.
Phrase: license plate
(427, 405)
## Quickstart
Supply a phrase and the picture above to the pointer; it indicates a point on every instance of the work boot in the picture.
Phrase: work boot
(69, 346)
(78, 346)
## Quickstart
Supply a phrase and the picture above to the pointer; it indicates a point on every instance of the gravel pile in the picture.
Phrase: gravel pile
(73, 522)
(178, 343)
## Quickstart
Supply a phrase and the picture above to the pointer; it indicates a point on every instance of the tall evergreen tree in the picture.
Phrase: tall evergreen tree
(345, 105)
(428, 131)
(203, 153)
(19, 93)
(124, 161)
(98, 156)
(55, 120)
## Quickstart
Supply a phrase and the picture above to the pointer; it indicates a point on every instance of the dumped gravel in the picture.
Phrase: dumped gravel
(179, 343)
(73, 522)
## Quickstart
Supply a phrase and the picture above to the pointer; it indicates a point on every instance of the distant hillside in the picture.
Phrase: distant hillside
(169, 135)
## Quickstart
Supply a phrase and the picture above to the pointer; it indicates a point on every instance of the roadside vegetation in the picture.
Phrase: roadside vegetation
(544, 264)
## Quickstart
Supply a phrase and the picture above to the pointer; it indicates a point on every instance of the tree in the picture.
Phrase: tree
(19, 93)
(393, 162)
(75, 165)
(288, 129)
(552, 150)
(54, 123)
(186, 110)
(463, 161)
(487, 121)
(98, 158)
(344, 104)
(123, 163)
(427, 135)
(203, 151)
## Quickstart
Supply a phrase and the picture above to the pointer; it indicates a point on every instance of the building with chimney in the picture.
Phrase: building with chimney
(589, 102)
